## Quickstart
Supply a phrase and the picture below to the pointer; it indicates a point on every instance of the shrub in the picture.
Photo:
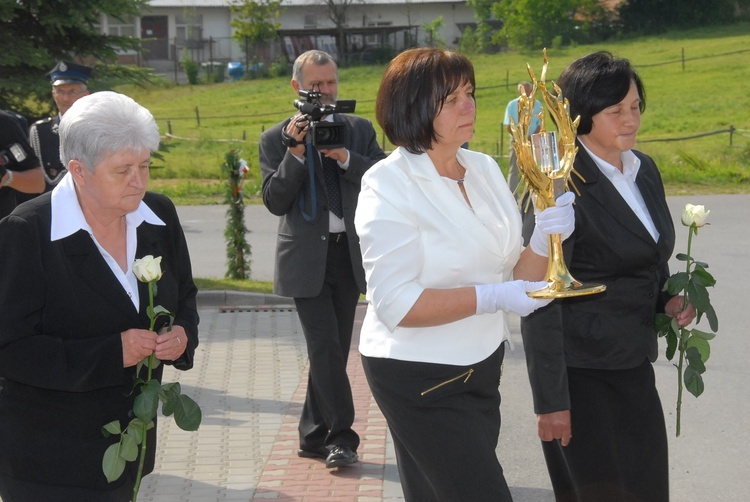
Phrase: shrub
(190, 66)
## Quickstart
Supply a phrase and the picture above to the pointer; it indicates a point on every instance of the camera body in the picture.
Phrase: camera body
(325, 135)
(14, 153)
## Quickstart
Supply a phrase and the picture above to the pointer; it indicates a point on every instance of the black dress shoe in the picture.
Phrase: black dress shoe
(341, 456)
(321, 452)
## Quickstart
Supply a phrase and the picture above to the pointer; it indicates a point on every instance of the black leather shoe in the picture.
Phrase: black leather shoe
(341, 456)
(321, 452)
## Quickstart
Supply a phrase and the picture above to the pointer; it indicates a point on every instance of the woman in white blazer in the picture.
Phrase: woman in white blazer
(442, 250)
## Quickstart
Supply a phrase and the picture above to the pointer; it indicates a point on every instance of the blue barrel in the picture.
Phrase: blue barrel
(235, 70)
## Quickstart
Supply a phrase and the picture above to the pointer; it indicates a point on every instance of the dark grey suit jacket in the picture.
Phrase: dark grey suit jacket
(614, 329)
(302, 245)
(61, 314)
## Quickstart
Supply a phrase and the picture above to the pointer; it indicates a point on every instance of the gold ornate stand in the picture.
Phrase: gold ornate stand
(546, 175)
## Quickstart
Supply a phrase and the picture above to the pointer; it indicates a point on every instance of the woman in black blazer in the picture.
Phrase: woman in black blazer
(73, 322)
(589, 358)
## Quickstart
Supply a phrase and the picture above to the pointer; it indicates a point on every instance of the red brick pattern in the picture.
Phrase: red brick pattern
(287, 477)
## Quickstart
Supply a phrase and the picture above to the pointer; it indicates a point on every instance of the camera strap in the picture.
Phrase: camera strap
(309, 152)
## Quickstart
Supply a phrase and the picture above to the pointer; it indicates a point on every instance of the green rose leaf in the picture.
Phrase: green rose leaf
(159, 310)
(698, 297)
(702, 277)
(113, 464)
(713, 321)
(147, 401)
(681, 257)
(137, 429)
(701, 345)
(693, 381)
(671, 345)
(187, 413)
(703, 334)
(676, 284)
(112, 428)
(129, 448)
(661, 323)
(695, 360)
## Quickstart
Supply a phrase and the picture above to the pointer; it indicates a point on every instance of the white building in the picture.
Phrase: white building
(203, 28)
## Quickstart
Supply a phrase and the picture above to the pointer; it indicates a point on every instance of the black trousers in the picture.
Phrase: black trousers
(618, 452)
(445, 424)
(327, 321)
(14, 490)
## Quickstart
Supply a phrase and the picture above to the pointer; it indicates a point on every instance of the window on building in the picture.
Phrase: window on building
(311, 21)
(121, 27)
(188, 28)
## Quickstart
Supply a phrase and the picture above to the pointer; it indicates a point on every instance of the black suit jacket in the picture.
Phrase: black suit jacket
(302, 245)
(45, 141)
(614, 329)
(61, 314)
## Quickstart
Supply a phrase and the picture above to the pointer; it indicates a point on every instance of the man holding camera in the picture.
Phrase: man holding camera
(19, 168)
(311, 179)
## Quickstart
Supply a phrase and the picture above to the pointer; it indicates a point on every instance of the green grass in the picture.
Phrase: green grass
(709, 94)
(234, 285)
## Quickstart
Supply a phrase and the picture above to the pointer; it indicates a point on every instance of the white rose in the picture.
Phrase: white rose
(694, 215)
(147, 269)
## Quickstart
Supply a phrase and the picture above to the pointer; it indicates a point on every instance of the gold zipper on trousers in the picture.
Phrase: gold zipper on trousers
(462, 375)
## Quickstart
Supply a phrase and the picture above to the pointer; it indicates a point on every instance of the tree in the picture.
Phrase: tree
(256, 22)
(536, 23)
(657, 16)
(481, 38)
(337, 10)
(432, 30)
(38, 33)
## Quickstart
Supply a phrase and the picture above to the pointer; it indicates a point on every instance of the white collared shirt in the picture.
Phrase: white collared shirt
(68, 218)
(624, 183)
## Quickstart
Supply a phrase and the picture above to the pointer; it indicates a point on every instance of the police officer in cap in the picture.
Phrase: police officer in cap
(69, 83)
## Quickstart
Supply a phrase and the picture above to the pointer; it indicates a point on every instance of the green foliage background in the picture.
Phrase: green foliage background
(708, 94)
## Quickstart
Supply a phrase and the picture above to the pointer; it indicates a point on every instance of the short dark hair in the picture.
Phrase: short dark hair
(413, 90)
(595, 82)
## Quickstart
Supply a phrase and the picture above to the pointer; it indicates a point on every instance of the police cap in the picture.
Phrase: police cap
(66, 72)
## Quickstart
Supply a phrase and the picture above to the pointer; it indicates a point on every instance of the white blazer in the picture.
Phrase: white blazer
(416, 232)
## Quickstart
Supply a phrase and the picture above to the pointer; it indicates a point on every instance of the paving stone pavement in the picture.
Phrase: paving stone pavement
(250, 381)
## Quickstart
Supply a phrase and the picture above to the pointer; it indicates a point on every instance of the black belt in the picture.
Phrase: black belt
(337, 238)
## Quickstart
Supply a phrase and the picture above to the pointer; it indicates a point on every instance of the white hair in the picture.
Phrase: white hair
(104, 123)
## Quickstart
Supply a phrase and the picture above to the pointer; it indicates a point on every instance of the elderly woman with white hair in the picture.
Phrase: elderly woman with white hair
(73, 316)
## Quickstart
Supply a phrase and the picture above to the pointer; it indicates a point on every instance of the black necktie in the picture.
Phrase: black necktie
(331, 170)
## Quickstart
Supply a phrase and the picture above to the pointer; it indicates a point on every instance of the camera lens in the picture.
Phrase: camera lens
(329, 135)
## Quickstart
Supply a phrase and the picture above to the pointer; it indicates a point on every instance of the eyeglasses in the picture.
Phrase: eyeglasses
(71, 93)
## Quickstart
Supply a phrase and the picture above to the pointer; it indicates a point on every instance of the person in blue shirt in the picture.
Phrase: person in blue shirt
(511, 112)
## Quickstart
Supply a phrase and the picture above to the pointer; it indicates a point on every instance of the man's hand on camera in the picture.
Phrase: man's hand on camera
(339, 154)
(296, 129)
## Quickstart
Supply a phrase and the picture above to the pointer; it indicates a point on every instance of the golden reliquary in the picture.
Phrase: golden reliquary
(545, 164)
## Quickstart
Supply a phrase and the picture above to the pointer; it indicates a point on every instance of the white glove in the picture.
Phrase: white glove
(509, 296)
(558, 219)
